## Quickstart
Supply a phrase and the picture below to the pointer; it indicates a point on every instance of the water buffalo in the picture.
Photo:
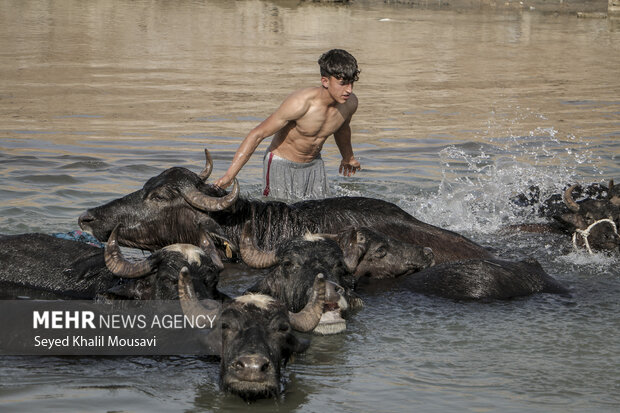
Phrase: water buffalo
(481, 280)
(590, 214)
(294, 264)
(170, 206)
(254, 336)
(72, 269)
(594, 221)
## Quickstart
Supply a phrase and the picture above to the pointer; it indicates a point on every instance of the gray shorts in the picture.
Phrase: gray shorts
(293, 181)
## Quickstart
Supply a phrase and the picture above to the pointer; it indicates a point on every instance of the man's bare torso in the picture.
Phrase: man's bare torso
(302, 140)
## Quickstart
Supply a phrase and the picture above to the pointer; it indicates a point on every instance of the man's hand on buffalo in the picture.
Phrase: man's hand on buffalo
(224, 182)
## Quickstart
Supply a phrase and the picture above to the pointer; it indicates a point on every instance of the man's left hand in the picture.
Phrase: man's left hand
(348, 168)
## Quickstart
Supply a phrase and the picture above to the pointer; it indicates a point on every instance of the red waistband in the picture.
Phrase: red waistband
(266, 191)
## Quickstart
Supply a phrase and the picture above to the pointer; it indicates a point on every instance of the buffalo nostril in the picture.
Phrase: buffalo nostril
(252, 364)
(85, 218)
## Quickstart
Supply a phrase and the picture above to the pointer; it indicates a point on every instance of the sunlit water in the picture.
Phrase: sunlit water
(458, 113)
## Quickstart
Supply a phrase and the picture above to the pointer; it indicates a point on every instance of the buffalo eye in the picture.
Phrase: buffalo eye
(289, 267)
(284, 327)
(380, 252)
(225, 326)
(156, 196)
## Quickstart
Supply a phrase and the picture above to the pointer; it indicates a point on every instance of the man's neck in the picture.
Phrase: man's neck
(326, 97)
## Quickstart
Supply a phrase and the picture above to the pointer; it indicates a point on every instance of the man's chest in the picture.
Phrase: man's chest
(320, 122)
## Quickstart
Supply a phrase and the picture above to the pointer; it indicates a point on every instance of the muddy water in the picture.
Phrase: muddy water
(458, 112)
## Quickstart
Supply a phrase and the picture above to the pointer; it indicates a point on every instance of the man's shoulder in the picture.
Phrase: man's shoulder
(306, 93)
(301, 99)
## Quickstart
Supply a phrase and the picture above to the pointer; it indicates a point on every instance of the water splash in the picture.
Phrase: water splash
(479, 181)
(597, 264)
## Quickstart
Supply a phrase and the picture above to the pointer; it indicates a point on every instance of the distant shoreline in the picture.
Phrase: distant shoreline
(583, 8)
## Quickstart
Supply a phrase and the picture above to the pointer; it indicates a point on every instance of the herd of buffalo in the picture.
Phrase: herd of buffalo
(314, 255)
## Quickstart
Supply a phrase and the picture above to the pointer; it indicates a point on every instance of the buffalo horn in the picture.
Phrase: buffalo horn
(568, 199)
(206, 172)
(308, 318)
(251, 255)
(118, 265)
(208, 203)
(187, 297)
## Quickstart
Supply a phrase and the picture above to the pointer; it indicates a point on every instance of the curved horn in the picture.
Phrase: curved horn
(568, 199)
(118, 265)
(308, 318)
(212, 203)
(251, 255)
(187, 297)
(206, 172)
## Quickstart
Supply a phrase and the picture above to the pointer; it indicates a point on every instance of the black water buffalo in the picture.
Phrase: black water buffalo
(171, 206)
(72, 269)
(481, 280)
(254, 336)
(466, 279)
(590, 214)
(594, 221)
(368, 253)
(294, 264)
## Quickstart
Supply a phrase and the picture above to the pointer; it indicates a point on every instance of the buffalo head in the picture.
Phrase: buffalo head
(167, 210)
(156, 277)
(256, 338)
(596, 219)
(368, 253)
(67, 268)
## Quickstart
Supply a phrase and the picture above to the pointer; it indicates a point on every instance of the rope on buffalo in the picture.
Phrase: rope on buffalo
(585, 233)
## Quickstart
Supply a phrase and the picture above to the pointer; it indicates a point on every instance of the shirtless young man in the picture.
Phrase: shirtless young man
(293, 168)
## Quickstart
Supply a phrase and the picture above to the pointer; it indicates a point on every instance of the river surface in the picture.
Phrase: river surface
(459, 111)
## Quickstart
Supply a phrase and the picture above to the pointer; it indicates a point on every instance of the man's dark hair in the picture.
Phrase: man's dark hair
(339, 64)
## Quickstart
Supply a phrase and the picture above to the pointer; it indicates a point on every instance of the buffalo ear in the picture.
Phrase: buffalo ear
(300, 344)
(208, 246)
(295, 345)
(124, 290)
(214, 231)
(354, 248)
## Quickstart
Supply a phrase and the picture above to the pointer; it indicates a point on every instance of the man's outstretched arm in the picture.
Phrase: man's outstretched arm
(349, 165)
(292, 108)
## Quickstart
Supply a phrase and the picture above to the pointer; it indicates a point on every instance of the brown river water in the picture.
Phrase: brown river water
(459, 111)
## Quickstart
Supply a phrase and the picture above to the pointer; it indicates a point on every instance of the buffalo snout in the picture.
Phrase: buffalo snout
(85, 220)
(252, 368)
